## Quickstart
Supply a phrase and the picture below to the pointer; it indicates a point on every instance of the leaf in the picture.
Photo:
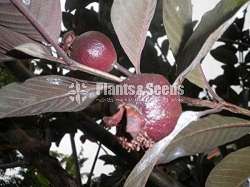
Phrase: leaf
(232, 171)
(38, 51)
(46, 94)
(177, 19)
(42, 180)
(205, 134)
(196, 78)
(247, 58)
(5, 58)
(47, 12)
(225, 54)
(131, 20)
(199, 136)
(22, 43)
(235, 31)
(70, 165)
(67, 18)
(165, 47)
(7, 43)
(111, 160)
(72, 4)
(211, 27)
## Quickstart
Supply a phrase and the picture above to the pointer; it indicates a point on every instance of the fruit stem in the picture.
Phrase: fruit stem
(122, 69)
(138, 69)
(95, 72)
(71, 63)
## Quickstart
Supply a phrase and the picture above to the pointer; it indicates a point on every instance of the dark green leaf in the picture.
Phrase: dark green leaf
(225, 54)
(72, 4)
(67, 18)
(247, 58)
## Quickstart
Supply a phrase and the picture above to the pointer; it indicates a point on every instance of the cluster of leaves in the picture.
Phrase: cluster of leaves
(33, 112)
(235, 56)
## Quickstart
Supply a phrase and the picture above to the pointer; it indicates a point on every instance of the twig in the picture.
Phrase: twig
(89, 126)
(208, 87)
(71, 63)
(93, 165)
(213, 104)
(104, 150)
(77, 168)
(13, 165)
(210, 111)
(235, 109)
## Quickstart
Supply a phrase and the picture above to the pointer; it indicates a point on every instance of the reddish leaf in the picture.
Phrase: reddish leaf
(131, 20)
(47, 12)
(46, 94)
(20, 42)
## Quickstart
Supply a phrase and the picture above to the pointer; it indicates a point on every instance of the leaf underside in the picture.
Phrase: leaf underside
(16, 30)
(46, 94)
(48, 14)
(131, 20)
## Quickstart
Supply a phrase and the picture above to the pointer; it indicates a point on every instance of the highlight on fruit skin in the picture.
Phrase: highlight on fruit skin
(94, 49)
(149, 117)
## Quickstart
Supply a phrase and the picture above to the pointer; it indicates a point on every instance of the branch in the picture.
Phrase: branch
(71, 63)
(210, 90)
(90, 127)
(93, 165)
(213, 104)
(13, 165)
(77, 168)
